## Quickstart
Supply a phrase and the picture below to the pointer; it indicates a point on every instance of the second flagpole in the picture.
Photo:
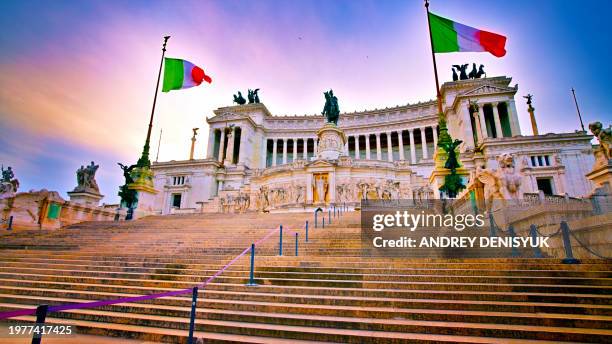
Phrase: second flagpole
(433, 57)
(144, 159)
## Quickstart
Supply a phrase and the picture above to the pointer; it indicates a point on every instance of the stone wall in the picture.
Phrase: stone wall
(47, 210)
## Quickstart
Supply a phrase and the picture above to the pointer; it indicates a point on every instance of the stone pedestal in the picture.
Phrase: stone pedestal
(331, 142)
(602, 171)
(436, 178)
(87, 197)
(145, 197)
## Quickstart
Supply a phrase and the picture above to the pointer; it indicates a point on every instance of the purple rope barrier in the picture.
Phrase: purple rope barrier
(93, 304)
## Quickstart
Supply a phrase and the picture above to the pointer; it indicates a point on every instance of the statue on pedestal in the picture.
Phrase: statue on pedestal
(128, 196)
(331, 110)
(86, 191)
(452, 182)
(501, 184)
(86, 179)
(8, 184)
(604, 135)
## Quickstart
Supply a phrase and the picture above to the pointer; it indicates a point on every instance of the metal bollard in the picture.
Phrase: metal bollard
(533, 232)
(252, 271)
(323, 221)
(10, 223)
(567, 244)
(515, 252)
(306, 230)
(280, 242)
(329, 216)
(492, 232)
(296, 244)
(41, 315)
(194, 302)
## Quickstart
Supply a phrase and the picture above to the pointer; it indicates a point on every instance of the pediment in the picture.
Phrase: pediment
(487, 90)
(227, 116)
(320, 163)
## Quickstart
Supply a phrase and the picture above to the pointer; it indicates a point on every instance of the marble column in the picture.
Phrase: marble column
(309, 188)
(305, 141)
(211, 144)
(356, 146)
(512, 115)
(221, 145)
(389, 147)
(498, 127)
(264, 153)
(479, 134)
(241, 149)
(367, 147)
(294, 157)
(315, 146)
(285, 151)
(378, 149)
(483, 123)
(401, 145)
(434, 130)
(274, 148)
(346, 147)
(412, 147)
(229, 151)
(424, 143)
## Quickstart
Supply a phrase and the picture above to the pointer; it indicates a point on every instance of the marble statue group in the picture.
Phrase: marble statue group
(86, 178)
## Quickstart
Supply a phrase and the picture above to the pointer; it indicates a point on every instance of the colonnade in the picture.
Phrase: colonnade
(493, 128)
(373, 150)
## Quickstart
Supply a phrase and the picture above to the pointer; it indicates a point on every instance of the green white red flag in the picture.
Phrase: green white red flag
(449, 36)
(180, 74)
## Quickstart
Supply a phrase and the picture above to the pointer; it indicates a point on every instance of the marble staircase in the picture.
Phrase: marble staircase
(329, 293)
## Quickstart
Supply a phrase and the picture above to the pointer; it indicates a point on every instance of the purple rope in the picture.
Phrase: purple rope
(93, 304)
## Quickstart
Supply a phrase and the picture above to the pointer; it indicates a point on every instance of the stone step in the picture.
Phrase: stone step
(571, 303)
(320, 272)
(169, 273)
(301, 314)
(310, 262)
(220, 281)
(158, 334)
(393, 329)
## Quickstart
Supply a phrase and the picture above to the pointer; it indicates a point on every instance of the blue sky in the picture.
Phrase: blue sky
(77, 77)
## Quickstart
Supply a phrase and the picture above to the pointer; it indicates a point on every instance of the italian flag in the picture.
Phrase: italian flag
(449, 36)
(179, 74)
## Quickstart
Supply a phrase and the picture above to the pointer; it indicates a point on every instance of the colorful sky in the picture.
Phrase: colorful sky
(77, 77)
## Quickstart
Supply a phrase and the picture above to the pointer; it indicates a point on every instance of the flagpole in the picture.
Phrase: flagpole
(158, 144)
(578, 109)
(433, 57)
(144, 159)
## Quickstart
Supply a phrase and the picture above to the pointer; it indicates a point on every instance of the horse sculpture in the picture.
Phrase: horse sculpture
(239, 99)
(331, 110)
